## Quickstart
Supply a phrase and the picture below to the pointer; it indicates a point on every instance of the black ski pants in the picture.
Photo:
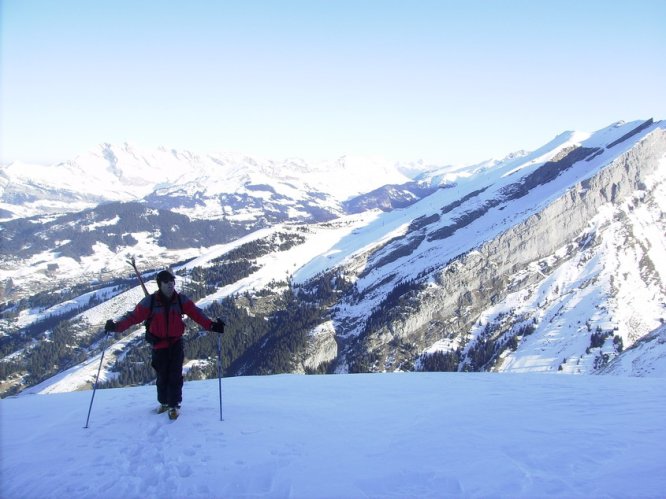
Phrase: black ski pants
(168, 364)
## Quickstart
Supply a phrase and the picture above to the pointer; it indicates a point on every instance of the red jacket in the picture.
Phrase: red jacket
(166, 323)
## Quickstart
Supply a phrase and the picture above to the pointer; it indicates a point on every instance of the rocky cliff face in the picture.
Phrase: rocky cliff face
(461, 308)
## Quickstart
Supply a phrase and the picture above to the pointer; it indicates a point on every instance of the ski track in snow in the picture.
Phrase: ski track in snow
(344, 436)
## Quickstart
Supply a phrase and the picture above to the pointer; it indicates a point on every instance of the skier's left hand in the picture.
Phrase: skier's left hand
(217, 326)
(110, 326)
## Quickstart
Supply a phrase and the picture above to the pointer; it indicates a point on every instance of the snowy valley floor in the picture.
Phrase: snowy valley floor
(345, 436)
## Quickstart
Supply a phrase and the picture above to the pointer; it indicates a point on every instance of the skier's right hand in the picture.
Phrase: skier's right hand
(110, 326)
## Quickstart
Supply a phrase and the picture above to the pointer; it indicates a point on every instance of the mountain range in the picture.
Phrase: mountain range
(550, 260)
(226, 185)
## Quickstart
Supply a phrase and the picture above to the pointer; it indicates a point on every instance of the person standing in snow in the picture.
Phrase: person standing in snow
(164, 309)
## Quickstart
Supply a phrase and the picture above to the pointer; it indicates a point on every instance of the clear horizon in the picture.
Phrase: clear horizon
(446, 82)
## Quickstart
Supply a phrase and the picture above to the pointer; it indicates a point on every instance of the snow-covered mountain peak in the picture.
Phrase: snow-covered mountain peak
(127, 172)
(128, 162)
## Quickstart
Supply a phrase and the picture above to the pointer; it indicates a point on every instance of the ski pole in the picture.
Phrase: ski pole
(219, 368)
(96, 379)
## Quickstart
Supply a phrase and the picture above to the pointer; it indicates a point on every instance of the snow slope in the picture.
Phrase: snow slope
(379, 435)
(345, 436)
(645, 358)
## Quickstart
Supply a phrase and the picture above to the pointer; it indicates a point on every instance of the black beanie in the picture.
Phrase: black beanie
(165, 276)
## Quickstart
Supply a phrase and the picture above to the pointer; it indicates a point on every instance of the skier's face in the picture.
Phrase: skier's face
(167, 287)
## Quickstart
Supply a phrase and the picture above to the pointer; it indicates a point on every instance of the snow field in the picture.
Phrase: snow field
(377, 435)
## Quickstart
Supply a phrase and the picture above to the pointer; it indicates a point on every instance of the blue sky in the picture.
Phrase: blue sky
(445, 81)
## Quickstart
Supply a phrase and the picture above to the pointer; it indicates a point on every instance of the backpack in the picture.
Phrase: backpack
(148, 336)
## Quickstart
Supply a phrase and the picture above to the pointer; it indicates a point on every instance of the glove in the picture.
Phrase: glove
(217, 326)
(110, 326)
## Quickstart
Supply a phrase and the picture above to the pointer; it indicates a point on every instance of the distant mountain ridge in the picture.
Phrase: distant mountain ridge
(199, 186)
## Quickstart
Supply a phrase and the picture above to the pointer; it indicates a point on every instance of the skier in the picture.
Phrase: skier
(163, 309)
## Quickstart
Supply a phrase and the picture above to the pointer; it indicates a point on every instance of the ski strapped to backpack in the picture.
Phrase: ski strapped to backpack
(132, 262)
